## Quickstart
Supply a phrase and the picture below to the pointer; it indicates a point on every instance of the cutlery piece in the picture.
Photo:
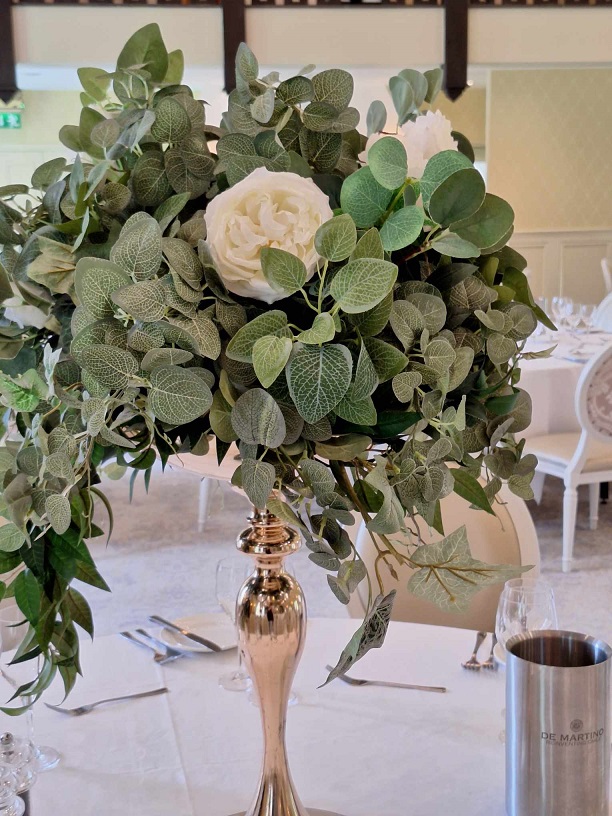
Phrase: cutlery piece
(158, 657)
(85, 709)
(491, 663)
(159, 644)
(473, 663)
(354, 681)
(214, 647)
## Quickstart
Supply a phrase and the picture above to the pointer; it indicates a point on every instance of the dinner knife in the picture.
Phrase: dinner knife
(214, 647)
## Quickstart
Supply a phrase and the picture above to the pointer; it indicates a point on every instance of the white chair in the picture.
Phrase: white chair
(607, 274)
(603, 314)
(509, 537)
(583, 457)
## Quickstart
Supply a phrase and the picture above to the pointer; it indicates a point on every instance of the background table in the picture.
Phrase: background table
(551, 383)
(360, 751)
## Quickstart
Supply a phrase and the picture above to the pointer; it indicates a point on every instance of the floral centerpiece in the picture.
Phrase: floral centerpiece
(346, 309)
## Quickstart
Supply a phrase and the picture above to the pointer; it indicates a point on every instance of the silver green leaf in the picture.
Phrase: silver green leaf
(109, 365)
(362, 284)
(204, 332)
(432, 309)
(257, 481)
(177, 395)
(151, 185)
(95, 279)
(336, 238)
(322, 331)
(145, 300)
(11, 538)
(318, 379)
(334, 86)
(240, 347)
(270, 356)
(363, 198)
(320, 478)
(58, 512)
(388, 162)
(164, 356)
(258, 420)
(172, 123)
(284, 271)
(402, 228)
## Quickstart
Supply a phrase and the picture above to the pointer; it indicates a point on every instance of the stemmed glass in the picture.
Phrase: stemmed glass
(587, 315)
(560, 308)
(525, 605)
(232, 572)
(541, 330)
(13, 630)
(573, 317)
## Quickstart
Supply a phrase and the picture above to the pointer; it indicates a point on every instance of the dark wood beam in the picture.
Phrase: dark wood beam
(234, 32)
(8, 80)
(456, 47)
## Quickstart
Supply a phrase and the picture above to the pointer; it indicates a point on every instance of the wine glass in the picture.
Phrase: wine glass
(541, 330)
(573, 318)
(232, 572)
(13, 631)
(587, 315)
(525, 605)
(560, 306)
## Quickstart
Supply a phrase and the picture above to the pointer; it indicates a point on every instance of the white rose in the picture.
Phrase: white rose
(280, 210)
(23, 314)
(423, 138)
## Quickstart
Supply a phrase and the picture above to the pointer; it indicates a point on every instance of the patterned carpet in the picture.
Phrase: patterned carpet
(157, 562)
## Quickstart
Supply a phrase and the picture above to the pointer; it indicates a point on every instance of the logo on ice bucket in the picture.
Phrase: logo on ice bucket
(577, 737)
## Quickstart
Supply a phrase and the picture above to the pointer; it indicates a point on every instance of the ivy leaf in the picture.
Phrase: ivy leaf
(322, 331)
(270, 356)
(336, 238)
(449, 576)
(138, 248)
(258, 420)
(318, 378)
(470, 489)
(144, 300)
(388, 162)
(177, 395)
(11, 538)
(362, 284)
(257, 481)
(402, 228)
(95, 279)
(109, 365)
(284, 271)
(57, 508)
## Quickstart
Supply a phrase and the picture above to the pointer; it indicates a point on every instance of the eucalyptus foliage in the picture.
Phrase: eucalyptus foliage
(374, 390)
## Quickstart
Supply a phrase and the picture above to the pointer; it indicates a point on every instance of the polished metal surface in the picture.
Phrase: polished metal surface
(310, 812)
(210, 644)
(357, 681)
(557, 725)
(271, 621)
(473, 662)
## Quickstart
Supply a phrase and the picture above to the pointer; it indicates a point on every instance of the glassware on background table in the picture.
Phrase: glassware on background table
(587, 315)
(12, 632)
(541, 330)
(525, 605)
(560, 306)
(17, 772)
(232, 572)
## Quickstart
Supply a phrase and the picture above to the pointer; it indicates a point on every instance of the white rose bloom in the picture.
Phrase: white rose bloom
(24, 315)
(423, 138)
(265, 209)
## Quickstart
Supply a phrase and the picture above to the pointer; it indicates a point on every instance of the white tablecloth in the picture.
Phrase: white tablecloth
(552, 382)
(359, 751)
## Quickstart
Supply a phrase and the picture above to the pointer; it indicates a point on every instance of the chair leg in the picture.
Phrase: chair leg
(570, 504)
(206, 488)
(593, 505)
(537, 485)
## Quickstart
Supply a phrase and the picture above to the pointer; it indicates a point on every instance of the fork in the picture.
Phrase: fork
(158, 657)
(85, 709)
(354, 681)
(490, 662)
(473, 663)
(169, 651)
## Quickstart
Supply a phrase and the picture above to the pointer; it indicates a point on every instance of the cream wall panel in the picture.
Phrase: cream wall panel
(581, 277)
(548, 146)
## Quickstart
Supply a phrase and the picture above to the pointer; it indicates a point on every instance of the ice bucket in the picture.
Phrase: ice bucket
(557, 725)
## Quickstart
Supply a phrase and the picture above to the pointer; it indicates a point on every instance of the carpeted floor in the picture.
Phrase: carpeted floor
(157, 562)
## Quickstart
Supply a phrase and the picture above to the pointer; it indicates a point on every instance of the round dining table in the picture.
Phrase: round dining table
(354, 750)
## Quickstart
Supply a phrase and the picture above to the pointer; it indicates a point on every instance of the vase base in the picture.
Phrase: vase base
(310, 811)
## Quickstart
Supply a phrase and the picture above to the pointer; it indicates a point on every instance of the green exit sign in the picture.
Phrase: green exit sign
(10, 120)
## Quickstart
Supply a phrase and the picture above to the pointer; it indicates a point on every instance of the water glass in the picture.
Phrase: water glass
(587, 315)
(232, 572)
(525, 605)
(560, 308)
(13, 630)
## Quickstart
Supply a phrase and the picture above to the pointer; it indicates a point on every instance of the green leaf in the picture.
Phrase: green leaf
(169, 209)
(402, 228)
(457, 197)
(172, 123)
(334, 86)
(337, 238)
(295, 90)
(188, 172)
(403, 98)
(434, 83)
(369, 246)
(143, 301)
(404, 385)
(109, 365)
(322, 331)
(456, 247)
(240, 347)
(151, 184)
(183, 260)
(177, 395)
(357, 411)
(95, 279)
(419, 84)
(387, 359)
(57, 508)
(48, 173)
(246, 63)
(95, 82)
(376, 118)
(258, 420)
(11, 538)
(176, 68)
(438, 169)
(262, 107)
(284, 271)
(257, 481)
(432, 308)
(164, 356)
(362, 284)
(366, 379)
(146, 49)
(318, 378)
(204, 332)
(500, 349)
(270, 356)
(79, 610)
(105, 133)
(220, 419)
(488, 224)
(28, 595)
(470, 489)
(319, 116)
(320, 478)
(439, 355)
(388, 162)
(344, 448)
(449, 576)
(138, 248)
(363, 198)
(406, 321)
